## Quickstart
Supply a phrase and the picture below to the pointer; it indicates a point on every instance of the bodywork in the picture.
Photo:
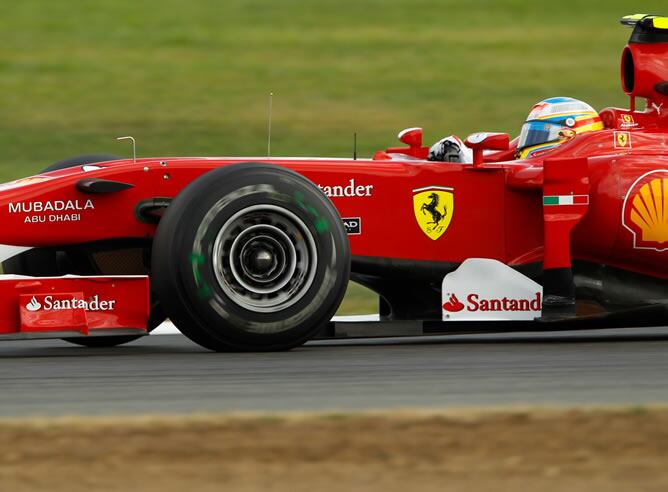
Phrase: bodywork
(612, 232)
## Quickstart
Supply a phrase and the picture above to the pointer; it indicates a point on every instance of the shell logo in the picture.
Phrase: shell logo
(645, 211)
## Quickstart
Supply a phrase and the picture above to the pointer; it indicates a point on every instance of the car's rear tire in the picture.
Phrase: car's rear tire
(250, 257)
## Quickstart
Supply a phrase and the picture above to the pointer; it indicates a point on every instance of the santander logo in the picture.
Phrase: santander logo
(484, 289)
(476, 303)
(33, 305)
(452, 305)
(50, 304)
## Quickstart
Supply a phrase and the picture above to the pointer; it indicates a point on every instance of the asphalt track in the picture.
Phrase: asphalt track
(169, 374)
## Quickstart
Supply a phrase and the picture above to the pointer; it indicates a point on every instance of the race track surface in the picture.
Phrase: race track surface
(169, 374)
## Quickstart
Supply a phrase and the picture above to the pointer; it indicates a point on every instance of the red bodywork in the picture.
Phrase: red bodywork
(617, 177)
(498, 210)
(73, 305)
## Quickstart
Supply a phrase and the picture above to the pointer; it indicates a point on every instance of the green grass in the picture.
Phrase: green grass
(193, 78)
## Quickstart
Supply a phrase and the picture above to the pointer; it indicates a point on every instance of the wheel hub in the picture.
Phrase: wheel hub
(264, 258)
(261, 260)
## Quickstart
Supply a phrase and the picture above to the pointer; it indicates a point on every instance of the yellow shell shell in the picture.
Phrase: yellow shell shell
(650, 210)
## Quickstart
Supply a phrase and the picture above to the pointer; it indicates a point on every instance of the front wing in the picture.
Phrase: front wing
(57, 307)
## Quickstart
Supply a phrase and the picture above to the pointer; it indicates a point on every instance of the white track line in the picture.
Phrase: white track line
(168, 328)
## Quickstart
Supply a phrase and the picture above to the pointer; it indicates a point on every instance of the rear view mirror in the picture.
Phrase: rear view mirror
(478, 142)
(411, 137)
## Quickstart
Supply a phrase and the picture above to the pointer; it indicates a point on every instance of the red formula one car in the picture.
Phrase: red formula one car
(256, 253)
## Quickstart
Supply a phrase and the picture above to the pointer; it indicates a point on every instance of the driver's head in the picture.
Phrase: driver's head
(554, 121)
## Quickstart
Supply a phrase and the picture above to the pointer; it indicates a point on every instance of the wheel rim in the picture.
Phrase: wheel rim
(264, 258)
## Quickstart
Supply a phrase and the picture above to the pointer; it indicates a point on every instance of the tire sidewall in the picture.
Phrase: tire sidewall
(195, 219)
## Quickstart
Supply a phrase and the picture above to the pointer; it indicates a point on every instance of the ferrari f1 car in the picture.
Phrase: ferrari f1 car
(256, 253)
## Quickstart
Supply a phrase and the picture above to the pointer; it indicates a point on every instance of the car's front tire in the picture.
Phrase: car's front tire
(250, 257)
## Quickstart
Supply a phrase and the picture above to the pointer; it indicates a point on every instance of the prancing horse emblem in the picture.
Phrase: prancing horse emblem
(433, 207)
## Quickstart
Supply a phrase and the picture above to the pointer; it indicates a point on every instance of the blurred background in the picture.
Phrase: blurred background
(193, 78)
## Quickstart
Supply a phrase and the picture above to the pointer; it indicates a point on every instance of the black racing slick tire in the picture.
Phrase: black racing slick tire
(250, 257)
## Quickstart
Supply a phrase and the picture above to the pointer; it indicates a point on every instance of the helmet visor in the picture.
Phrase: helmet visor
(538, 132)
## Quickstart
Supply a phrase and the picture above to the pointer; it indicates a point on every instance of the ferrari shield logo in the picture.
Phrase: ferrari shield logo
(622, 140)
(433, 207)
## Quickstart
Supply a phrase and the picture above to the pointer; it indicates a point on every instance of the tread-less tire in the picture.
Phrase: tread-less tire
(250, 257)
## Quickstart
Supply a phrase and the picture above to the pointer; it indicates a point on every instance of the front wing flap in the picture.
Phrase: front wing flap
(54, 307)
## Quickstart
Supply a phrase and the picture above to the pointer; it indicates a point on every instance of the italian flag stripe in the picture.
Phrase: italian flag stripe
(566, 200)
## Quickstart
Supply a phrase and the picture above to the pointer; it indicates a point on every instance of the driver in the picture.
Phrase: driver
(450, 149)
(554, 121)
(550, 123)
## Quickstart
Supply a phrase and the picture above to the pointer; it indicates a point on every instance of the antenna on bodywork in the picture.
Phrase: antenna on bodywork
(271, 100)
(134, 147)
(355, 146)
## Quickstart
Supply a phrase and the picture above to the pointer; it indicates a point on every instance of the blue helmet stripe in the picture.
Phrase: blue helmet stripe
(558, 100)
(558, 119)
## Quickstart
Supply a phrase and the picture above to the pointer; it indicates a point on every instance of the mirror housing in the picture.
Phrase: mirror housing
(478, 142)
(411, 137)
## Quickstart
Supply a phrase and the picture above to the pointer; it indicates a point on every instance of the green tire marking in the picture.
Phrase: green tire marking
(321, 223)
(203, 291)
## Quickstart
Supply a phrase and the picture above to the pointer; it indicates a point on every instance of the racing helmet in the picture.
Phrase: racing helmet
(554, 121)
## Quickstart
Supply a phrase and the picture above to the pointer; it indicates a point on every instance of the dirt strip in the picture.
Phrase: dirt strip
(503, 450)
